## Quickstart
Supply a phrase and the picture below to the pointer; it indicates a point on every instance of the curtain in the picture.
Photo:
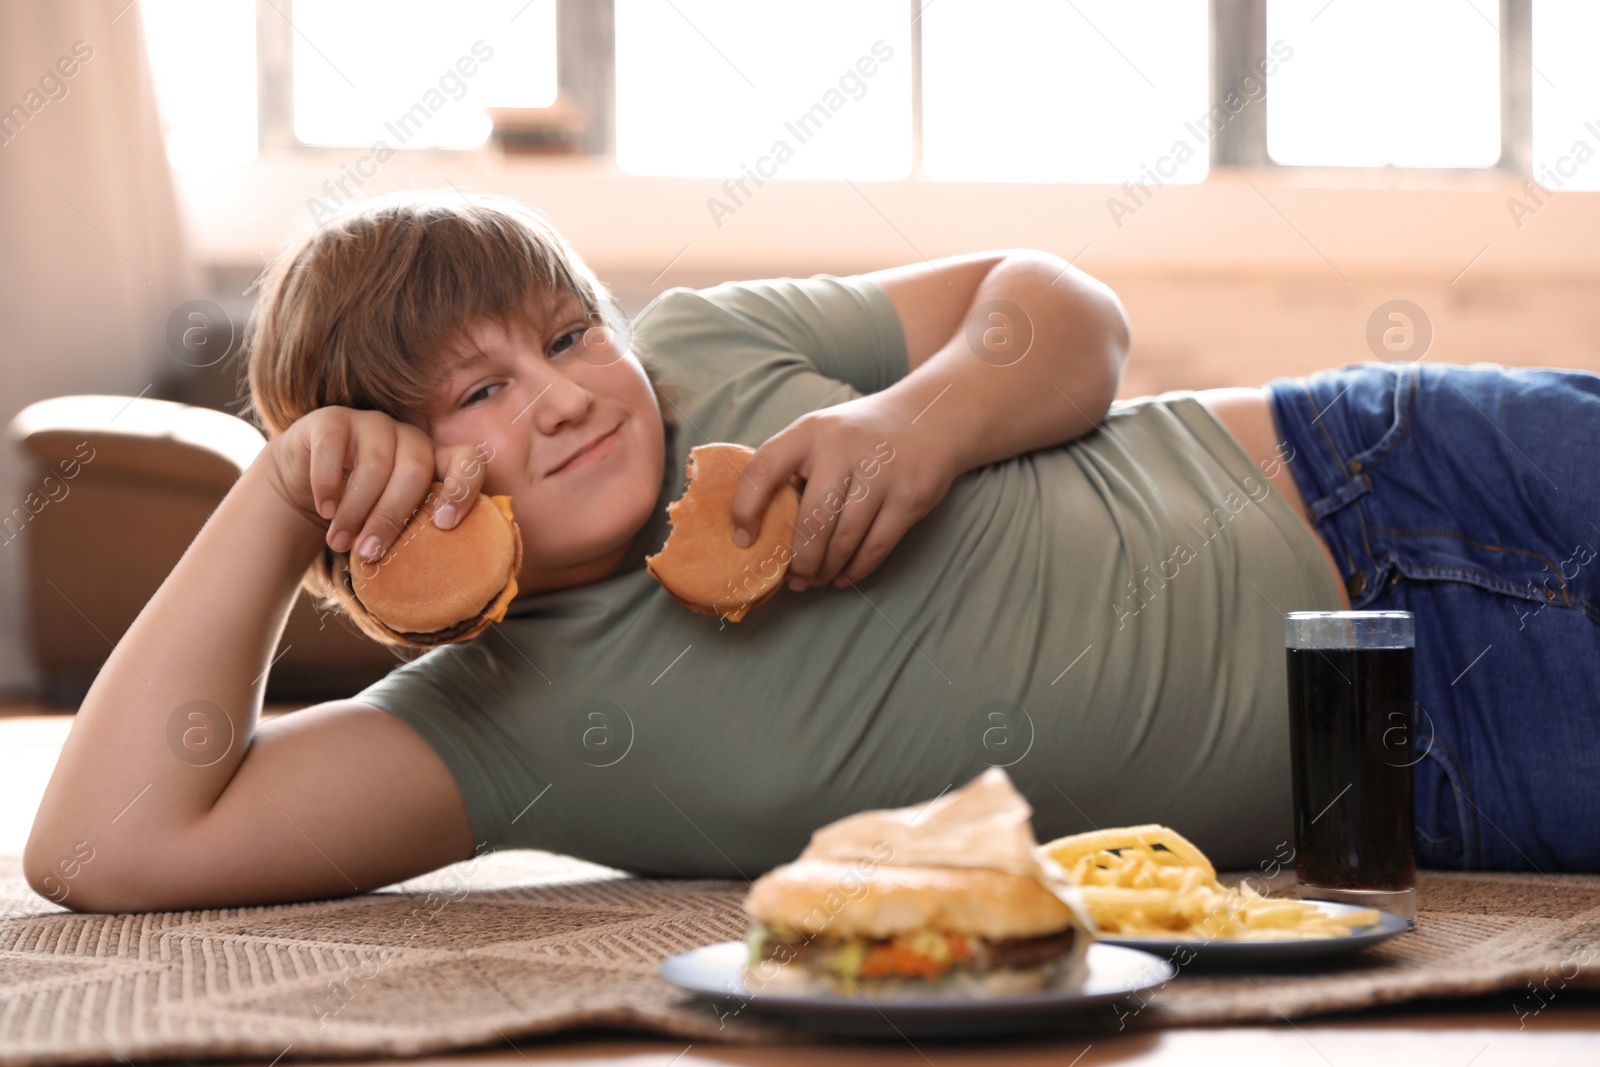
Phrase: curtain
(94, 257)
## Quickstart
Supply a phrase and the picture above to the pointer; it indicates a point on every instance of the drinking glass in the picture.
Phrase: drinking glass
(1351, 722)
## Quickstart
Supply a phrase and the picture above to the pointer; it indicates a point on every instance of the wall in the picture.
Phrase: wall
(1249, 275)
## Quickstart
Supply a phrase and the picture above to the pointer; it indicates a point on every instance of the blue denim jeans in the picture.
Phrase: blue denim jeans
(1470, 496)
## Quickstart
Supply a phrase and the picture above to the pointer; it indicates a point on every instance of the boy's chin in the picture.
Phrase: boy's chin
(560, 570)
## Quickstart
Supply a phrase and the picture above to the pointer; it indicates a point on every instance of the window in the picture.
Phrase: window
(943, 90)
(1370, 83)
(814, 90)
(1042, 91)
(1566, 94)
(414, 74)
(203, 63)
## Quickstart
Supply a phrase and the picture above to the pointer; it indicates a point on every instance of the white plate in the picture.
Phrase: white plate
(717, 972)
(1232, 952)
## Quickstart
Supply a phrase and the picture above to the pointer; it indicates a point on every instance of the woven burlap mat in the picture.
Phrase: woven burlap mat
(514, 944)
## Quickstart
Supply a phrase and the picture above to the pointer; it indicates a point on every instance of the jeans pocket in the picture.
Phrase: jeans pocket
(1445, 831)
(1400, 394)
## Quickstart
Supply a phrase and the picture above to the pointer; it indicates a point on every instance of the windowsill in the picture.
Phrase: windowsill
(1365, 221)
(490, 159)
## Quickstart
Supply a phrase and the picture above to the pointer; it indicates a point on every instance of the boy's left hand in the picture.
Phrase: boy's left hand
(865, 473)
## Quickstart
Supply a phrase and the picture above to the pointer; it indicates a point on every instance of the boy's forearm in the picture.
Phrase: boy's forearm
(1035, 363)
(173, 709)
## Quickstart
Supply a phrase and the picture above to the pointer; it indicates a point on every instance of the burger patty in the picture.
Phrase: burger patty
(434, 637)
(1017, 953)
(440, 637)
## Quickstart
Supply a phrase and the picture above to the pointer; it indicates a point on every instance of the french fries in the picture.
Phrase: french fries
(1151, 881)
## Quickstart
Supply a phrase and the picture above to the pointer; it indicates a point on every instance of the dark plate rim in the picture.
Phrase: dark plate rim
(1387, 926)
(1154, 971)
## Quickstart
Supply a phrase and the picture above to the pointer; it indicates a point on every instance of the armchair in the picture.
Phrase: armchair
(124, 484)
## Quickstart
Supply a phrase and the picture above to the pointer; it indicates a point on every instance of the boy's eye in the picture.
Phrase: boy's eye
(476, 396)
(570, 337)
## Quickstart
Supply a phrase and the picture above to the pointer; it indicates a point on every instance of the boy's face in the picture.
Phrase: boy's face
(534, 401)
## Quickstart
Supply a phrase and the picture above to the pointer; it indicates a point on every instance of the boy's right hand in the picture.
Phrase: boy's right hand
(365, 474)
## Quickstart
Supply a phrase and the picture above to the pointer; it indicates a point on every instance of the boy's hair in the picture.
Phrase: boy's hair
(359, 312)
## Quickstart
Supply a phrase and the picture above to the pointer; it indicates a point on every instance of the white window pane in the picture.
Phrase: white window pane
(1091, 91)
(708, 88)
(1376, 82)
(203, 61)
(1566, 94)
(415, 73)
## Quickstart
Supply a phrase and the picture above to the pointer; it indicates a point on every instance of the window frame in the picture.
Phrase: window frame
(585, 57)
(1239, 42)
(585, 77)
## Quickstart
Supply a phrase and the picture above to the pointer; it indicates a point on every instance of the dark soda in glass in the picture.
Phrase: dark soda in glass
(1352, 747)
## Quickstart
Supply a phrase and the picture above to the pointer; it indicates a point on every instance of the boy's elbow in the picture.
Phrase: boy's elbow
(82, 878)
(96, 896)
(57, 880)
(1114, 329)
(1116, 349)
(1097, 365)
(50, 871)
(1106, 339)
(87, 900)
(1092, 314)
(1114, 336)
(1121, 331)
(39, 861)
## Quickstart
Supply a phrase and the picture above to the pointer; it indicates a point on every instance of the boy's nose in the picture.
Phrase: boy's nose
(558, 399)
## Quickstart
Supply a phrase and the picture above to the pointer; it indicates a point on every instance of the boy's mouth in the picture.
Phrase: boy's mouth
(585, 453)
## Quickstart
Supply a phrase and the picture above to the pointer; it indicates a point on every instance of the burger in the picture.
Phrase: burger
(700, 566)
(950, 894)
(434, 587)
(826, 926)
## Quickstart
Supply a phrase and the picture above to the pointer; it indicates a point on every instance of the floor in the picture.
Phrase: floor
(1483, 1032)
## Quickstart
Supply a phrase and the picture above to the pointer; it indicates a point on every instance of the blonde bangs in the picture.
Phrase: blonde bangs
(361, 312)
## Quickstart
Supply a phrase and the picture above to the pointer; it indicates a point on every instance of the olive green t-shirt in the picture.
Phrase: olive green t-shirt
(1104, 619)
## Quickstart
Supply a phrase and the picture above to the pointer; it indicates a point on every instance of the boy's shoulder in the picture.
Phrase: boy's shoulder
(730, 312)
(781, 309)
(682, 301)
